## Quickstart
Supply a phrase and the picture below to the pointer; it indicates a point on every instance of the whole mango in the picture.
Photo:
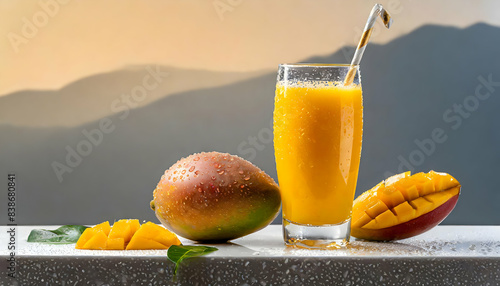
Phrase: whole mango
(215, 197)
(403, 206)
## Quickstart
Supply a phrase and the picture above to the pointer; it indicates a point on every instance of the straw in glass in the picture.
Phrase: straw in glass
(377, 10)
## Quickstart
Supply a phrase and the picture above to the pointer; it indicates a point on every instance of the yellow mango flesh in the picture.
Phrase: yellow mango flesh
(115, 243)
(405, 212)
(152, 234)
(98, 241)
(91, 232)
(125, 229)
(378, 208)
(144, 243)
(402, 198)
(127, 234)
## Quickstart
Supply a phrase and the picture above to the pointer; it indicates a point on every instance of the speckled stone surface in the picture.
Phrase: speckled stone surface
(446, 255)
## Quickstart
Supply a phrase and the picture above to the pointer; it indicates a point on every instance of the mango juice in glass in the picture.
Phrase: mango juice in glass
(318, 126)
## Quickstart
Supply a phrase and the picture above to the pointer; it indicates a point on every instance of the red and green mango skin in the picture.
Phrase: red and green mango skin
(215, 197)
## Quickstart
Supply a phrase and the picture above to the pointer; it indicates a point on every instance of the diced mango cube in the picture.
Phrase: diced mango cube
(385, 219)
(427, 188)
(418, 180)
(444, 181)
(366, 200)
(422, 206)
(411, 193)
(376, 209)
(124, 228)
(404, 212)
(98, 241)
(362, 220)
(86, 236)
(371, 225)
(391, 197)
(90, 232)
(105, 227)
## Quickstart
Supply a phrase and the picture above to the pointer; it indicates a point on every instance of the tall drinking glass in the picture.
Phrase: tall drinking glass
(318, 126)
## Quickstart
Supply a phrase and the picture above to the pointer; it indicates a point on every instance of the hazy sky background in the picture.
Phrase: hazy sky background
(83, 38)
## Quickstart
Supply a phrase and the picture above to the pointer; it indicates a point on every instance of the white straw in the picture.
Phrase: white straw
(377, 10)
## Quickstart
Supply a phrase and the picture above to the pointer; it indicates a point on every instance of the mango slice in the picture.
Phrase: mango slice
(144, 243)
(386, 211)
(152, 234)
(127, 234)
(115, 243)
(98, 241)
(124, 228)
(91, 232)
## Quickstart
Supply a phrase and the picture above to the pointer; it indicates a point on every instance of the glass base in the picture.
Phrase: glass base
(331, 236)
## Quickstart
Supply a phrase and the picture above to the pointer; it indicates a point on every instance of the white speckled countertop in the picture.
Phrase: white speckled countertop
(446, 255)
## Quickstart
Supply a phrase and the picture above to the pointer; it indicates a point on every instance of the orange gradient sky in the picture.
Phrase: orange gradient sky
(83, 38)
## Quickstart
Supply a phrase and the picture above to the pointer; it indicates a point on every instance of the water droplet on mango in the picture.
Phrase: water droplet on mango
(207, 212)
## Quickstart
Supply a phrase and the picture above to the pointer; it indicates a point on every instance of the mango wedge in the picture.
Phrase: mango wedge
(153, 235)
(89, 233)
(403, 206)
(124, 228)
(127, 234)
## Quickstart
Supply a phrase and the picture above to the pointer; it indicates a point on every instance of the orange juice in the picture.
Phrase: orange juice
(318, 130)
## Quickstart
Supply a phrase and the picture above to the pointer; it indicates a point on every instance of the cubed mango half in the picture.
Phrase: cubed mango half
(404, 205)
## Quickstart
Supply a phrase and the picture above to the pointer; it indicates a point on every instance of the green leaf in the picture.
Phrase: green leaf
(63, 235)
(177, 253)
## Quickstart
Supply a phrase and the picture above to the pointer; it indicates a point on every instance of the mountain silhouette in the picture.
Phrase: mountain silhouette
(408, 85)
(91, 98)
